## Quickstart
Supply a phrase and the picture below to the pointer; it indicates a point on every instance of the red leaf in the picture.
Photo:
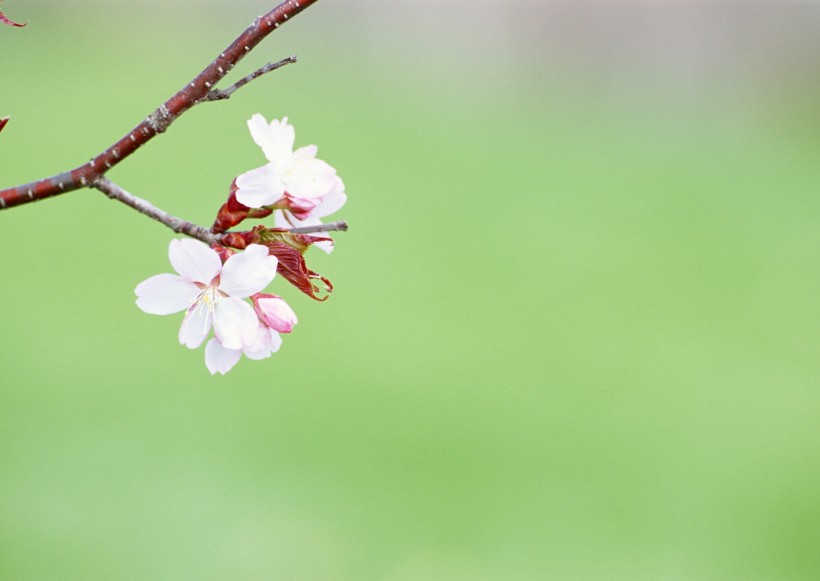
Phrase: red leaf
(288, 247)
(3, 121)
(293, 267)
(5, 20)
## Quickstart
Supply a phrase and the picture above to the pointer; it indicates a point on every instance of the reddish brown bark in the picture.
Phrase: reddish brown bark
(6, 20)
(193, 93)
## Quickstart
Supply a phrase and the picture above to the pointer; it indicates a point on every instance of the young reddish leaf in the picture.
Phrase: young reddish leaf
(232, 213)
(288, 247)
(6, 20)
(293, 267)
(3, 121)
(300, 242)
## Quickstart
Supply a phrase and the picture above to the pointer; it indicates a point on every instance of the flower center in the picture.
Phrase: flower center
(207, 300)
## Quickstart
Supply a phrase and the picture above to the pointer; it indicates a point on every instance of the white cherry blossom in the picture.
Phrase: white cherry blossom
(210, 292)
(301, 188)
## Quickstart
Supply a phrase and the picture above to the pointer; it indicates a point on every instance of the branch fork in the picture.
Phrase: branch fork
(200, 89)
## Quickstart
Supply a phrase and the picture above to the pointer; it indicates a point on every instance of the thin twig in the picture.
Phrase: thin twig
(331, 227)
(181, 226)
(157, 122)
(219, 94)
(178, 225)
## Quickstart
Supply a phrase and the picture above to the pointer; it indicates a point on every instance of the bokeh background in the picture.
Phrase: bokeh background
(576, 327)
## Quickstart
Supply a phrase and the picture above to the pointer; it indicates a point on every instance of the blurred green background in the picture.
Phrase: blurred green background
(575, 332)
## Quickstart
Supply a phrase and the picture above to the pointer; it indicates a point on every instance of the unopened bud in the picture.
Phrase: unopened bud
(274, 312)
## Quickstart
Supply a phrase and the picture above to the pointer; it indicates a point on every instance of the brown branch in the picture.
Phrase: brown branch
(220, 94)
(157, 122)
(178, 225)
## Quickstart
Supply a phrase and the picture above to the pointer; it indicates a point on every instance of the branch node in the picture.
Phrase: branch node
(160, 119)
(197, 91)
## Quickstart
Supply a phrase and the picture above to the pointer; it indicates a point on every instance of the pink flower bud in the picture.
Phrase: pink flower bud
(274, 312)
(300, 207)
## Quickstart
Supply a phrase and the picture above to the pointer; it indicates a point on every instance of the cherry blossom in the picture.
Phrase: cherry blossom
(301, 188)
(211, 293)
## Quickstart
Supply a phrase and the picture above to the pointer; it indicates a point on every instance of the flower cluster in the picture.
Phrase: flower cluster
(214, 284)
(300, 188)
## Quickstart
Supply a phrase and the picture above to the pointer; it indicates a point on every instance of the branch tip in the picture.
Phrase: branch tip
(220, 94)
(330, 227)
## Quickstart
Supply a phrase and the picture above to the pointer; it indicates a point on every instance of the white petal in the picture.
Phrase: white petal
(325, 246)
(195, 326)
(283, 220)
(276, 139)
(164, 294)
(308, 151)
(310, 178)
(331, 204)
(248, 272)
(194, 260)
(261, 347)
(275, 341)
(218, 359)
(259, 187)
(235, 323)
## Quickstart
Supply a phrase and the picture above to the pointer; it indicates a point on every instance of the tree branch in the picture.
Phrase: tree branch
(181, 226)
(178, 225)
(193, 93)
(219, 94)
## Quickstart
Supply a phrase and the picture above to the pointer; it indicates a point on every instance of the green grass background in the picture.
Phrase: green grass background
(575, 332)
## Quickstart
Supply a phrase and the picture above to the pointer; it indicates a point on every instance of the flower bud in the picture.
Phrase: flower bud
(300, 207)
(274, 312)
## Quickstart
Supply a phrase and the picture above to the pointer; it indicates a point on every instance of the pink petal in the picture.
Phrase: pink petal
(248, 272)
(164, 294)
(195, 326)
(259, 187)
(194, 261)
(235, 323)
(301, 208)
(274, 312)
(218, 359)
